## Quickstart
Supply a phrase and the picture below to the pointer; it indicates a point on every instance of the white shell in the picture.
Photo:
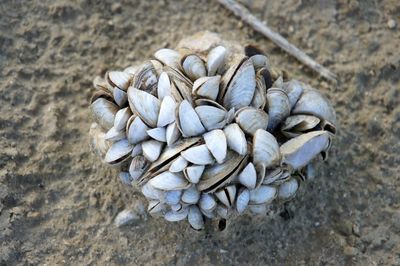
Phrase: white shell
(137, 131)
(299, 151)
(293, 90)
(194, 67)
(168, 57)
(173, 216)
(104, 112)
(215, 59)
(167, 112)
(152, 149)
(216, 142)
(145, 105)
(163, 86)
(191, 195)
(173, 197)
(227, 195)
(288, 189)
(158, 133)
(241, 88)
(119, 79)
(178, 165)
(121, 118)
(265, 149)
(242, 200)
(248, 176)
(155, 207)
(169, 181)
(172, 134)
(152, 193)
(198, 155)
(189, 120)
(278, 107)
(207, 87)
(125, 178)
(195, 218)
(236, 139)
(137, 167)
(207, 202)
(211, 117)
(114, 135)
(260, 61)
(263, 194)
(250, 119)
(193, 173)
(120, 96)
(125, 217)
(118, 152)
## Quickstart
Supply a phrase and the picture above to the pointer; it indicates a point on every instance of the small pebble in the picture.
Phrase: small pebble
(356, 229)
(125, 217)
(391, 23)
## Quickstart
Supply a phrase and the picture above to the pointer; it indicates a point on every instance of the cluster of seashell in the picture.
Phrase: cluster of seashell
(210, 134)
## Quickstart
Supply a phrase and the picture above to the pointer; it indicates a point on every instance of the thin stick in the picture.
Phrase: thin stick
(259, 26)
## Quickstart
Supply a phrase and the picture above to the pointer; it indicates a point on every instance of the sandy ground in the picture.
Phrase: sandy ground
(58, 202)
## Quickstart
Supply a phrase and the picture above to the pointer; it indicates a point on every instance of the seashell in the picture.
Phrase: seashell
(158, 67)
(227, 77)
(293, 90)
(193, 67)
(260, 94)
(131, 70)
(278, 107)
(191, 195)
(227, 195)
(216, 143)
(260, 170)
(176, 207)
(168, 57)
(181, 86)
(258, 209)
(146, 78)
(137, 167)
(158, 133)
(265, 149)
(207, 202)
(172, 134)
(152, 193)
(193, 173)
(222, 211)
(218, 175)
(118, 152)
(295, 125)
(121, 118)
(178, 165)
(155, 207)
(114, 135)
(236, 139)
(299, 151)
(312, 102)
(120, 97)
(195, 218)
(272, 175)
(104, 112)
(198, 155)
(242, 200)
(278, 83)
(288, 189)
(145, 105)
(167, 112)
(240, 90)
(119, 79)
(169, 181)
(215, 59)
(173, 216)
(101, 84)
(211, 117)
(263, 195)
(137, 130)
(260, 61)
(173, 197)
(169, 154)
(125, 217)
(207, 87)
(250, 119)
(137, 150)
(248, 176)
(97, 140)
(189, 121)
(152, 149)
(125, 178)
(163, 86)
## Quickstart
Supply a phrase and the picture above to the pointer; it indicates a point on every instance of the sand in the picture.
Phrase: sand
(58, 202)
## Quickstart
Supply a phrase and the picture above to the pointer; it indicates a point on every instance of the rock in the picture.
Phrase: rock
(391, 24)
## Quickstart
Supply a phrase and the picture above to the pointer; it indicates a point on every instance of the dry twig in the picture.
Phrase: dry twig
(259, 26)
